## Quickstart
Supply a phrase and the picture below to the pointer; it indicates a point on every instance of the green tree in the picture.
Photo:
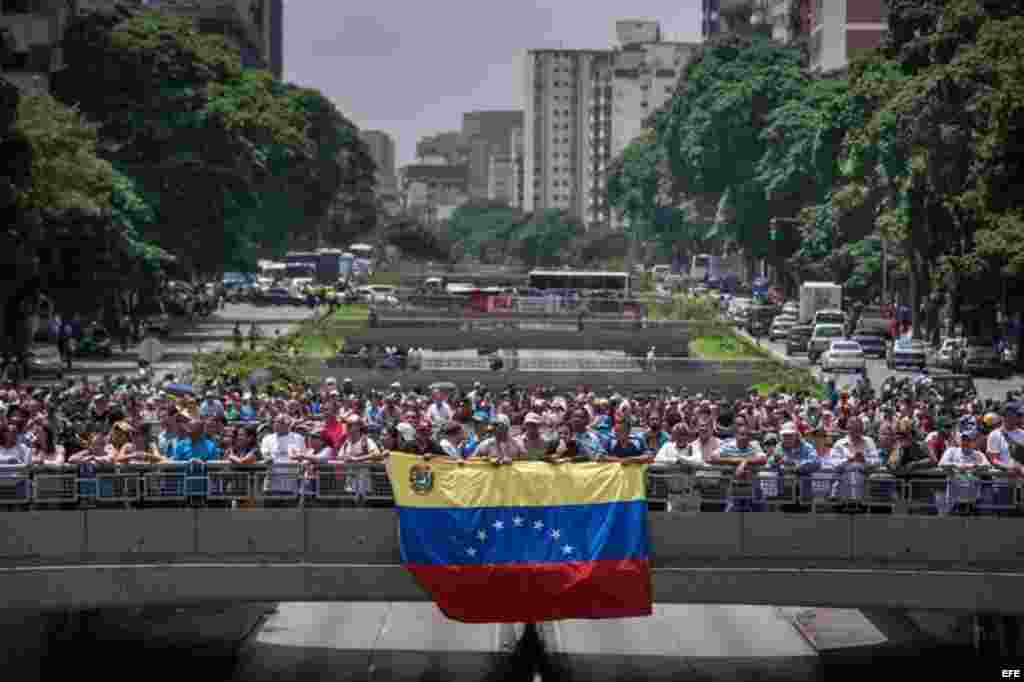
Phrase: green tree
(478, 223)
(545, 238)
(712, 133)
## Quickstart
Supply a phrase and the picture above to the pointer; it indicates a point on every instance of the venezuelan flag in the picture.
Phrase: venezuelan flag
(526, 542)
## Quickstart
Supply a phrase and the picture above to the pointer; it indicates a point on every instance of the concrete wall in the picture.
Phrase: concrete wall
(114, 558)
(731, 383)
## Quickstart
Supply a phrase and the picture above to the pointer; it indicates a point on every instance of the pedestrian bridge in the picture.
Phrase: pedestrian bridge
(103, 558)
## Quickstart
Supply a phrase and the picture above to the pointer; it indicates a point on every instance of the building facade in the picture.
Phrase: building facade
(486, 134)
(448, 147)
(841, 29)
(501, 181)
(518, 169)
(432, 192)
(381, 147)
(32, 30)
(584, 107)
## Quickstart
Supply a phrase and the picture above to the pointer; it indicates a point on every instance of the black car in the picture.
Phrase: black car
(954, 385)
(872, 341)
(798, 338)
(981, 357)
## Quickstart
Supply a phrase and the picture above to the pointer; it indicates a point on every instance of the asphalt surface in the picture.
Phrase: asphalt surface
(988, 387)
(186, 339)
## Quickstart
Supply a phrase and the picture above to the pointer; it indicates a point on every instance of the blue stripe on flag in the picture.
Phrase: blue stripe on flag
(522, 535)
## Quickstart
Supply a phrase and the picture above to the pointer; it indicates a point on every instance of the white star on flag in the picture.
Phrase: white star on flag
(555, 534)
(482, 534)
(517, 521)
(470, 551)
(538, 525)
(498, 525)
(567, 549)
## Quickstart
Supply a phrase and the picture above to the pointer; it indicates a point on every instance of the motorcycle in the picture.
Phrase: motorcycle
(145, 371)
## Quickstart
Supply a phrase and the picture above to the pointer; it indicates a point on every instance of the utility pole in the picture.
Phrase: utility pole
(885, 270)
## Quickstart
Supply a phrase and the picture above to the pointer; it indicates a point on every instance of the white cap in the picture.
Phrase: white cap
(788, 427)
(502, 420)
(532, 418)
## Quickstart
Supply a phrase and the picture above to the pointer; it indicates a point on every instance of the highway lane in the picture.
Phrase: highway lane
(375, 641)
(988, 387)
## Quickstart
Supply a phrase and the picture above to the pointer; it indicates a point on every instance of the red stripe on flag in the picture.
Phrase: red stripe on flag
(531, 593)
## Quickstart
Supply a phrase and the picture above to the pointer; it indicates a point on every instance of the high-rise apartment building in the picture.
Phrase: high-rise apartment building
(840, 29)
(726, 16)
(381, 147)
(433, 192)
(486, 133)
(584, 107)
(501, 180)
(518, 169)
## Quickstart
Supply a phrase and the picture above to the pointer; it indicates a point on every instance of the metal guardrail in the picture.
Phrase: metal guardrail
(676, 488)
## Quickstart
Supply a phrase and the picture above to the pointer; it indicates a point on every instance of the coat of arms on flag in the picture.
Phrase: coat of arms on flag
(526, 542)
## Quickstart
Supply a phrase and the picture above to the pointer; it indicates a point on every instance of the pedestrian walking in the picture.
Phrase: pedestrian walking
(236, 335)
(650, 360)
(125, 331)
(65, 343)
(254, 334)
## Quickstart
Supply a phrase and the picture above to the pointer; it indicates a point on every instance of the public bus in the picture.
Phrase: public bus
(581, 281)
(705, 266)
(334, 265)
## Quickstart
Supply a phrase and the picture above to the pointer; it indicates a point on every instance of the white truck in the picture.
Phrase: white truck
(816, 296)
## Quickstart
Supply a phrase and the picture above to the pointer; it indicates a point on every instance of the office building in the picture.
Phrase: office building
(501, 180)
(381, 147)
(433, 192)
(584, 107)
(486, 133)
(734, 16)
(442, 148)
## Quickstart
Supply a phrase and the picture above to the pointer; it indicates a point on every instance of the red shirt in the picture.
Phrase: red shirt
(335, 433)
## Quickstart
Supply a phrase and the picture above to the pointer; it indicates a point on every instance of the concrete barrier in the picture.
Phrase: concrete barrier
(728, 381)
(127, 558)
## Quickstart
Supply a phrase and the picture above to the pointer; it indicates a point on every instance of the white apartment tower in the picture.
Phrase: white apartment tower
(583, 107)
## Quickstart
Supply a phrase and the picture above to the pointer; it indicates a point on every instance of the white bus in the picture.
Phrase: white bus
(581, 281)
(705, 266)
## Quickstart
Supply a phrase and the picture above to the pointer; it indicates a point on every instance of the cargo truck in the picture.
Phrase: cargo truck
(818, 296)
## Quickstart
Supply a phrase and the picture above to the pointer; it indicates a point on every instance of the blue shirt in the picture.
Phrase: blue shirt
(185, 450)
(628, 449)
(589, 444)
(804, 457)
(247, 413)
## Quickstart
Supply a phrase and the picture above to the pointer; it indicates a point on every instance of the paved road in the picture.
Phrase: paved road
(988, 388)
(185, 340)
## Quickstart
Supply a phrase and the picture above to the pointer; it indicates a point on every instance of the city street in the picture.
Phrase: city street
(185, 340)
(988, 387)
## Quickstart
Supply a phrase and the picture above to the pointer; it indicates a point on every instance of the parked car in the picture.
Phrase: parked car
(798, 338)
(279, 296)
(947, 355)
(981, 357)
(872, 341)
(781, 326)
(844, 356)
(949, 385)
(907, 353)
(379, 293)
(821, 338)
(791, 308)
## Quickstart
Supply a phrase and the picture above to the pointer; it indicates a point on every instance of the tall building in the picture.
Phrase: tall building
(486, 133)
(518, 169)
(584, 107)
(382, 150)
(501, 179)
(447, 147)
(433, 192)
(840, 29)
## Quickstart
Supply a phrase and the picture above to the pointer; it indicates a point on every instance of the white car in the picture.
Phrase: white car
(378, 293)
(844, 356)
(947, 352)
(781, 326)
(791, 309)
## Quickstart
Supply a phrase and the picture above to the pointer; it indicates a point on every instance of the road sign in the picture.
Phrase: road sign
(151, 350)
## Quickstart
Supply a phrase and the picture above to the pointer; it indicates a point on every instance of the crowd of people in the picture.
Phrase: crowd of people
(122, 422)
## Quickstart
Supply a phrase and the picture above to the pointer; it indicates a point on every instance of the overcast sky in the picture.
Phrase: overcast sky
(412, 68)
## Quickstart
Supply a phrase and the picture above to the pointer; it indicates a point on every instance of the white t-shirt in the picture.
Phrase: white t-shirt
(999, 444)
(670, 453)
(510, 449)
(280, 448)
(360, 448)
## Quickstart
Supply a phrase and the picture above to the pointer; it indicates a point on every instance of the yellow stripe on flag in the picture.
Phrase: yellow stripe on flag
(522, 484)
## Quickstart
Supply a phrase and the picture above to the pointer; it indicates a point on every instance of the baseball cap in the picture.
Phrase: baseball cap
(788, 428)
(332, 381)
(968, 427)
(502, 420)
(532, 418)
